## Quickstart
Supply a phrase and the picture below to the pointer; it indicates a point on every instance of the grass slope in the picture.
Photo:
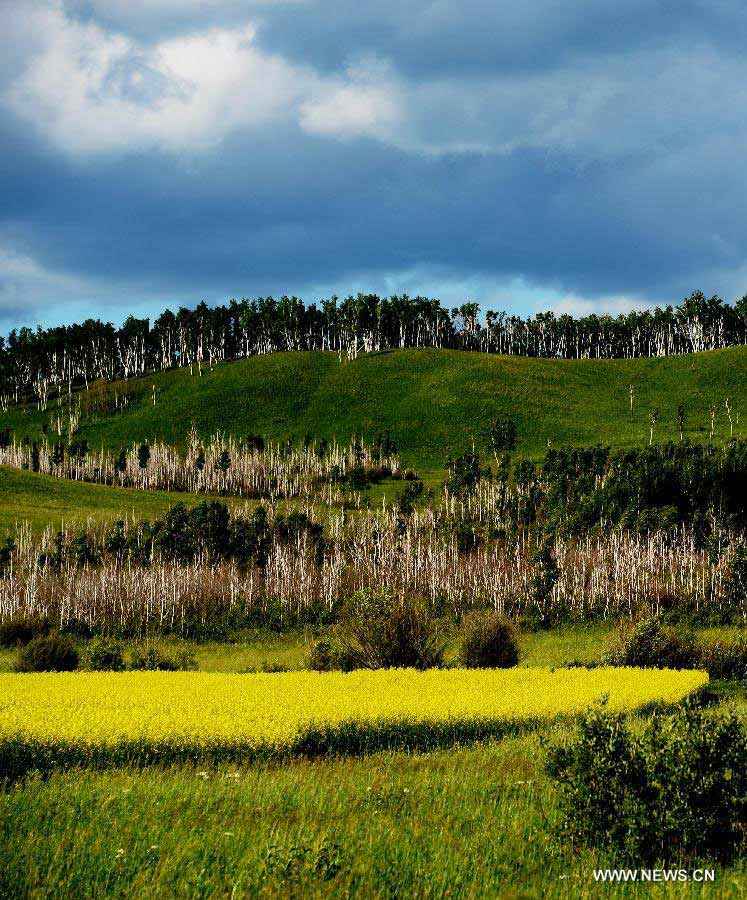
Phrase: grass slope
(458, 823)
(42, 501)
(434, 402)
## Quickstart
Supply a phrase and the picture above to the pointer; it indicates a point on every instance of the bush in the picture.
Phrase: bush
(382, 631)
(48, 653)
(104, 655)
(674, 791)
(273, 666)
(488, 641)
(325, 656)
(321, 657)
(724, 658)
(77, 628)
(152, 659)
(650, 644)
(18, 632)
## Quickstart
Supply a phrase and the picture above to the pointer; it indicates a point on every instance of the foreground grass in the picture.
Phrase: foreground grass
(460, 823)
(435, 403)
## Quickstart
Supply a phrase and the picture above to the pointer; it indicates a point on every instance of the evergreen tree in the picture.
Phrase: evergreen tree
(143, 456)
(502, 434)
(224, 461)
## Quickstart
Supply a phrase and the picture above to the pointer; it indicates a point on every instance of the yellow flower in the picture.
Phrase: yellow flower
(275, 710)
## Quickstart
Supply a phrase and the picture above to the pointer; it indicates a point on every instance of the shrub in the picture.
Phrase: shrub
(382, 631)
(724, 658)
(736, 580)
(104, 655)
(580, 664)
(150, 658)
(325, 656)
(77, 628)
(673, 791)
(650, 644)
(48, 653)
(18, 632)
(489, 641)
(321, 657)
(273, 666)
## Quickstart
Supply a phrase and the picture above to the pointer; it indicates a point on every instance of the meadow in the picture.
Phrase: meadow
(44, 501)
(255, 650)
(435, 403)
(465, 822)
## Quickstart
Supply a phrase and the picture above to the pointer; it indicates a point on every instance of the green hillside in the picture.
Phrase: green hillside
(434, 402)
(42, 500)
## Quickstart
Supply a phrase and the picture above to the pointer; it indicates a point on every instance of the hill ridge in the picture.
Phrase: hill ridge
(434, 402)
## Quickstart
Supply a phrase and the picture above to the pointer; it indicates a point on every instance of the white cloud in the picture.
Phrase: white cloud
(18, 268)
(94, 91)
(367, 102)
(33, 292)
(610, 106)
(152, 9)
(25, 286)
(508, 293)
(91, 90)
(350, 110)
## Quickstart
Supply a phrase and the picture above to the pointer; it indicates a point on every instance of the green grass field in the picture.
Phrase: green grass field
(460, 823)
(253, 651)
(262, 649)
(43, 500)
(434, 402)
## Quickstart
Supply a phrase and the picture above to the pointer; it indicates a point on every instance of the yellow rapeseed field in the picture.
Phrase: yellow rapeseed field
(275, 710)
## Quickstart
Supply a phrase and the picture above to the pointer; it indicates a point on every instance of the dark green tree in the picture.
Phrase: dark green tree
(120, 464)
(546, 572)
(464, 473)
(502, 434)
(6, 555)
(224, 461)
(143, 456)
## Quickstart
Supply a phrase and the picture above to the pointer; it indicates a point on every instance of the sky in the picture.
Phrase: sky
(579, 155)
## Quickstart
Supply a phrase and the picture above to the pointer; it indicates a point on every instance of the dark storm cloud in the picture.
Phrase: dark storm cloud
(442, 36)
(479, 36)
(589, 149)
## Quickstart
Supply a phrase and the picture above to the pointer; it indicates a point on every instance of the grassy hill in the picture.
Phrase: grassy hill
(42, 500)
(434, 402)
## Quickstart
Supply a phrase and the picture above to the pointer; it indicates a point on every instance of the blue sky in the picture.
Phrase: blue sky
(570, 154)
